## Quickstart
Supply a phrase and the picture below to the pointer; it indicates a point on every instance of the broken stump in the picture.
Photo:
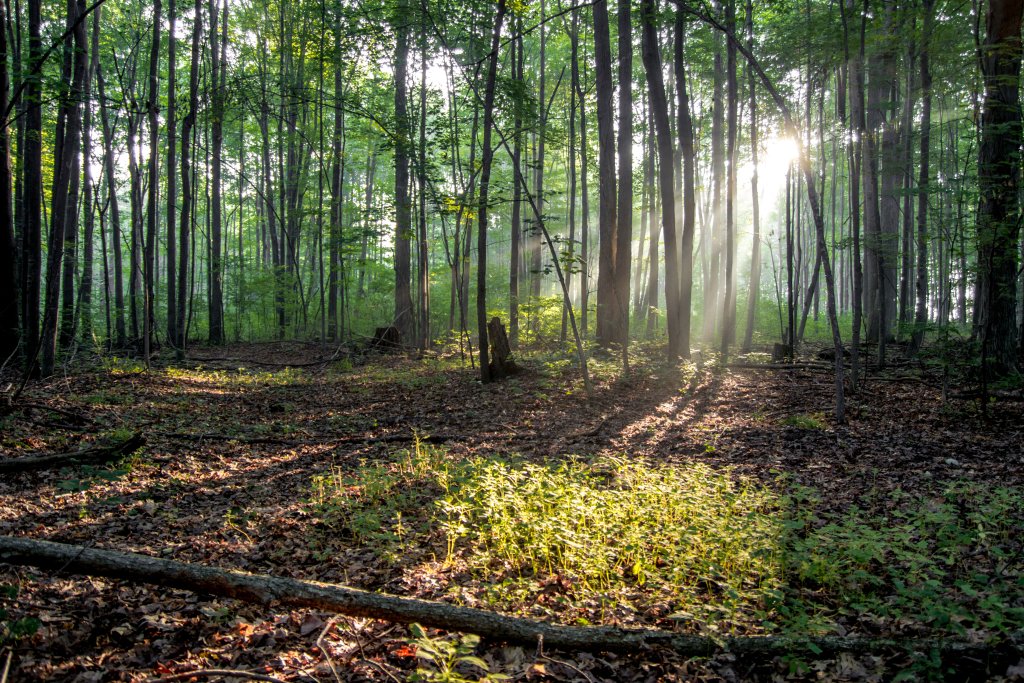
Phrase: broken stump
(501, 364)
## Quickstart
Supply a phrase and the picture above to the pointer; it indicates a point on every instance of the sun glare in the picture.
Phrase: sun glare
(779, 153)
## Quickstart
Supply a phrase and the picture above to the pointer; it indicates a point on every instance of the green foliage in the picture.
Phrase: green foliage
(12, 630)
(951, 562)
(445, 660)
(812, 421)
(724, 552)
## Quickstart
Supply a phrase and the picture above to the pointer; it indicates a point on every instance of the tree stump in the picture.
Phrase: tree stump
(386, 339)
(501, 364)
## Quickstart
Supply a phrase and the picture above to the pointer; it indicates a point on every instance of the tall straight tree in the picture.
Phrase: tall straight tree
(921, 284)
(686, 146)
(216, 301)
(9, 323)
(487, 157)
(755, 254)
(32, 187)
(65, 187)
(334, 248)
(172, 180)
(88, 186)
(998, 226)
(153, 109)
(624, 219)
(608, 313)
(651, 54)
(403, 319)
(187, 199)
(732, 91)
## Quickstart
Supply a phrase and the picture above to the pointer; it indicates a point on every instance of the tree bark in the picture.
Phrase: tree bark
(9, 318)
(403, 206)
(998, 221)
(659, 107)
(624, 219)
(923, 187)
(486, 158)
(607, 303)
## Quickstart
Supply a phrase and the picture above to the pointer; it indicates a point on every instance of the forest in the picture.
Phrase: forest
(481, 340)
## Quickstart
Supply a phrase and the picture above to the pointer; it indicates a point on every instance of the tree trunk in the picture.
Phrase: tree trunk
(64, 218)
(172, 178)
(688, 153)
(659, 107)
(216, 302)
(184, 231)
(296, 593)
(607, 302)
(728, 303)
(9, 318)
(32, 188)
(153, 108)
(754, 297)
(487, 156)
(998, 219)
(923, 183)
(624, 219)
(403, 207)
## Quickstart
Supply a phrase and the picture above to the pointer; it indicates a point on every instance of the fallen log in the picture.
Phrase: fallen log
(102, 453)
(295, 593)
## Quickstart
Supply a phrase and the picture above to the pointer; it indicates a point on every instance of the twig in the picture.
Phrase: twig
(206, 673)
(581, 672)
(379, 668)
(7, 666)
(320, 644)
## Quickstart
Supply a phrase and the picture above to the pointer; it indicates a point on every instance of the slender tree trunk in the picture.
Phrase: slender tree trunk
(584, 193)
(65, 193)
(172, 177)
(515, 247)
(923, 182)
(689, 156)
(998, 226)
(185, 232)
(334, 250)
(487, 156)
(607, 302)
(422, 249)
(153, 108)
(755, 255)
(403, 206)
(624, 219)
(728, 303)
(651, 54)
(9, 318)
(216, 303)
(32, 189)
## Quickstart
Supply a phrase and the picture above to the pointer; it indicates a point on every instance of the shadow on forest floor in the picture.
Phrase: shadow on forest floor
(235, 448)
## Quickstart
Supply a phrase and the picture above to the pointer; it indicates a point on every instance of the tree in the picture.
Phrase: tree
(403, 319)
(998, 225)
(608, 309)
(659, 108)
(487, 157)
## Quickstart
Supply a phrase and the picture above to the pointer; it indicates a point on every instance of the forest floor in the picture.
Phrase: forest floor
(244, 444)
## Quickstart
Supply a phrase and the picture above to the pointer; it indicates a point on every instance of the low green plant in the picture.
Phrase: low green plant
(723, 552)
(448, 660)
(805, 421)
(14, 629)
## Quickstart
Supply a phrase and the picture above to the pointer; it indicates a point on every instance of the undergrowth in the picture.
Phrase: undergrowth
(714, 551)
